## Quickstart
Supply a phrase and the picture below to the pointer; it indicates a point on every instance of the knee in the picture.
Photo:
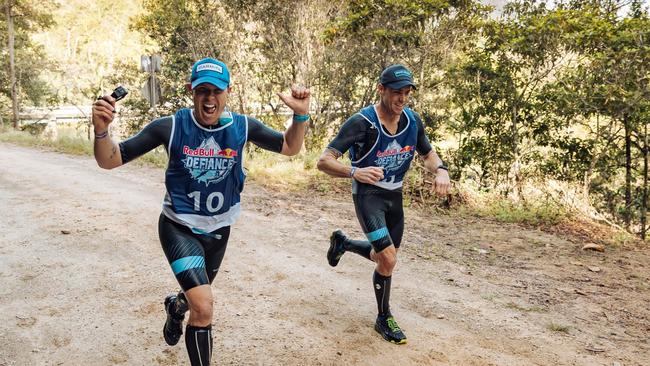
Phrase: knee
(386, 263)
(201, 310)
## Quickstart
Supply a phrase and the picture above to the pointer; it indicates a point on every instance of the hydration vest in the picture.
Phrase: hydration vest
(393, 153)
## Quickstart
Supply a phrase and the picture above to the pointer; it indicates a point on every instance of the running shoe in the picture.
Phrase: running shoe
(388, 328)
(336, 250)
(173, 329)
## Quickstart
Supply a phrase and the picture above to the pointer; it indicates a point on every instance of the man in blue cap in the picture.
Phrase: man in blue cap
(204, 179)
(382, 139)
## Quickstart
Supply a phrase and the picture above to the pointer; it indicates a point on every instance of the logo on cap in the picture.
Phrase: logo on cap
(402, 73)
(396, 77)
(212, 67)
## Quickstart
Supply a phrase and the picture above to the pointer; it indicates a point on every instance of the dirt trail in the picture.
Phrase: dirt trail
(83, 278)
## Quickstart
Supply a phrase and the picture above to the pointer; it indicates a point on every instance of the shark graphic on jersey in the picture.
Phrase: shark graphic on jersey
(209, 163)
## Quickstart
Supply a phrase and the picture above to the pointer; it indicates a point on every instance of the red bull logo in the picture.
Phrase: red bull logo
(227, 153)
(200, 151)
(389, 152)
(203, 152)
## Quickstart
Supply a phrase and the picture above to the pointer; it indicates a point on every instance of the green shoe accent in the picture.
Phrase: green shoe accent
(389, 330)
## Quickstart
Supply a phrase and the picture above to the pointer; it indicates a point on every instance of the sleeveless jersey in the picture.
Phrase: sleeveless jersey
(393, 153)
(205, 176)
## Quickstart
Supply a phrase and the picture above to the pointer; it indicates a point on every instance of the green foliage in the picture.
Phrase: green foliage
(65, 143)
(543, 91)
(29, 17)
(609, 91)
(498, 113)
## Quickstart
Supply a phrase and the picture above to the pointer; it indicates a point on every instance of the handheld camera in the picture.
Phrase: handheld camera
(118, 93)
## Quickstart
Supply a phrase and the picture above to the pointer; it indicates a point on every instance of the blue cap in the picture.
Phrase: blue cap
(210, 71)
(396, 77)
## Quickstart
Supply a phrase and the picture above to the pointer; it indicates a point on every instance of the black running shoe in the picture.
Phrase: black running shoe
(336, 250)
(388, 328)
(173, 329)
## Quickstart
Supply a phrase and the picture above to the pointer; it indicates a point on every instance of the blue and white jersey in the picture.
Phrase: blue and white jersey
(394, 153)
(205, 176)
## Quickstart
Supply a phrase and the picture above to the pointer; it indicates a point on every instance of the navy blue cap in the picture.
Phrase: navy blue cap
(396, 77)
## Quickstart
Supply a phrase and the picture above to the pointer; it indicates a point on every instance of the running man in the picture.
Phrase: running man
(382, 140)
(204, 179)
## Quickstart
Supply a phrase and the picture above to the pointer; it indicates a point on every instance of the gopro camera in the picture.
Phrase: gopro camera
(118, 94)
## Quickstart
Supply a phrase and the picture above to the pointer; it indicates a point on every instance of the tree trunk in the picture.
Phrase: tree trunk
(516, 168)
(627, 217)
(12, 67)
(644, 200)
(586, 181)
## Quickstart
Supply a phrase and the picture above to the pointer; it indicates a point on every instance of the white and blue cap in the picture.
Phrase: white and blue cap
(209, 70)
(396, 77)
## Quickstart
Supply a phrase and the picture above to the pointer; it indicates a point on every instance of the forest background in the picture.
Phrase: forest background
(540, 109)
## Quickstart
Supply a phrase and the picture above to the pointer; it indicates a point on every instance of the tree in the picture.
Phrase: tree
(607, 92)
(366, 36)
(500, 117)
(24, 59)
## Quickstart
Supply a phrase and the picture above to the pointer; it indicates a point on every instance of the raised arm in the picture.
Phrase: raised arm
(298, 101)
(107, 151)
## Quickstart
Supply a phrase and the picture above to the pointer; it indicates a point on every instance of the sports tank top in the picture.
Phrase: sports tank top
(205, 175)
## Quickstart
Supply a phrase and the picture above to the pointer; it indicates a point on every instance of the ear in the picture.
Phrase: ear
(380, 88)
(188, 87)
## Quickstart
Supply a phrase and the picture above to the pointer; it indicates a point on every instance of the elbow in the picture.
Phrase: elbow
(321, 164)
(107, 166)
(293, 152)
(290, 148)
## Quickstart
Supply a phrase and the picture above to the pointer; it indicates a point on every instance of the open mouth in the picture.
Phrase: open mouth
(209, 108)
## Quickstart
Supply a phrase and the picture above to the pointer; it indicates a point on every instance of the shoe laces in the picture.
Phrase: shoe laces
(392, 324)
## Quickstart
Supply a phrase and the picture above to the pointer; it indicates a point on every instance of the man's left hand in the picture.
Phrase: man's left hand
(298, 101)
(441, 184)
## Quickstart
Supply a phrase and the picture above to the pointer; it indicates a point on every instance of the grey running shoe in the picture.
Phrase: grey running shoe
(336, 250)
(388, 328)
(173, 329)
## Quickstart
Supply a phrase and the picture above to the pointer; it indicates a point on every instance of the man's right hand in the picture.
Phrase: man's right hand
(369, 175)
(103, 112)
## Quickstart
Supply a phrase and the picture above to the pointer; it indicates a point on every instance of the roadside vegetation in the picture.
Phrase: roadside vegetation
(540, 110)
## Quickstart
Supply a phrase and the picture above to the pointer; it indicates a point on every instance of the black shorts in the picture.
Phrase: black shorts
(381, 216)
(194, 258)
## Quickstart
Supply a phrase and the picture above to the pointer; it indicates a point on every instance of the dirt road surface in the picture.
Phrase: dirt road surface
(83, 278)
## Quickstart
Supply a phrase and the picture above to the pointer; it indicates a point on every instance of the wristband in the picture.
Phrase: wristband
(354, 169)
(300, 117)
(101, 135)
(443, 167)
